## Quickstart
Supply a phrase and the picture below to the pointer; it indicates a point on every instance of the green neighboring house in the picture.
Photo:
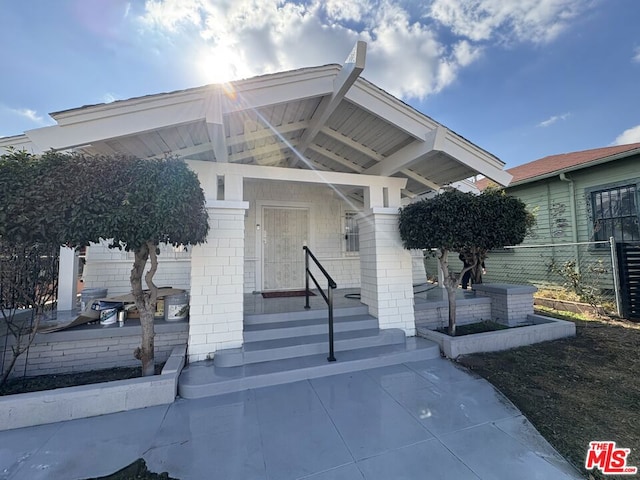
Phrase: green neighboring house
(586, 196)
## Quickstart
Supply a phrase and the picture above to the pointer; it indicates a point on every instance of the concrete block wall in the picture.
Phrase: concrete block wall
(110, 268)
(417, 267)
(386, 270)
(95, 348)
(434, 315)
(510, 304)
(217, 279)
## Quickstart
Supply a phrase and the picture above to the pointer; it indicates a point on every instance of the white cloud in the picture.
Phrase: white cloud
(631, 135)
(636, 55)
(29, 114)
(537, 21)
(553, 119)
(407, 56)
(109, 97)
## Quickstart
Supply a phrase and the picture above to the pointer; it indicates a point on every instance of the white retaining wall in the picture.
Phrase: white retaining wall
(434, 315)
(38, 408)
(93, 348)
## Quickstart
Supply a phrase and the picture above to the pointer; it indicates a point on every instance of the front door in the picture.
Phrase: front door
(285, 231)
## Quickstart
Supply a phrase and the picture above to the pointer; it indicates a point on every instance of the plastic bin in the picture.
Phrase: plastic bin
(88, 295)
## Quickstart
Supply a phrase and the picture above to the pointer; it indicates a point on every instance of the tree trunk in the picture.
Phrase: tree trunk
(451, 282)
(146, 304)
(476, 274)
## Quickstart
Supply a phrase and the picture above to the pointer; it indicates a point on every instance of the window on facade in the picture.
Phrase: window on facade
(615, 214)
(352, 234)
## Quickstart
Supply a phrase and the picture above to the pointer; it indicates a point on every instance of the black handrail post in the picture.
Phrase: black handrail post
(331, 357)
(327, 298)
(306, 277)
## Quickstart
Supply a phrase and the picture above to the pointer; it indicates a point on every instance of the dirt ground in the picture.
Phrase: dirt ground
(49, 382)
(575, 390)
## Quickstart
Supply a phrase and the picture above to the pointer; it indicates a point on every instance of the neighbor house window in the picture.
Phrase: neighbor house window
(352, 234)
(615, 213)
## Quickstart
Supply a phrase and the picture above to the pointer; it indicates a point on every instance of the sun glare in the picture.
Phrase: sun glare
(217, 65)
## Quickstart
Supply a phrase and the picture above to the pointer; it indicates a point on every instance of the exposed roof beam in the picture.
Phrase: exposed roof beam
(336, 158)
(352, 143)
(215, 126)
(420, 179)
(274, 147)
(302, 175)
(265, 133)
(350, 71)
(187, 152)
(409, 155)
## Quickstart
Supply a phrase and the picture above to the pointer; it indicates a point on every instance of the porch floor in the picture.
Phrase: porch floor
(255, 304)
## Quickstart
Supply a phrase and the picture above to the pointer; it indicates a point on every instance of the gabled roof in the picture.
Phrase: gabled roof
(325, 118)
(564, 162)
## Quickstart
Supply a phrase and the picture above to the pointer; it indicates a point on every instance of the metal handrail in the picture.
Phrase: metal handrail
(328, 297)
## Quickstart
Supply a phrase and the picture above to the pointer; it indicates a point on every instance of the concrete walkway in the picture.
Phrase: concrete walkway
(420, 420)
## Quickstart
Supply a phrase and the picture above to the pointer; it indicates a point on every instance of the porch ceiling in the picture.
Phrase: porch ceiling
(325, 118)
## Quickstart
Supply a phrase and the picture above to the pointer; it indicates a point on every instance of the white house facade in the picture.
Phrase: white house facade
(316, 157)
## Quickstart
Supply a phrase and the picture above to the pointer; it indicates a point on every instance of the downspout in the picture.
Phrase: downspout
(574, 218)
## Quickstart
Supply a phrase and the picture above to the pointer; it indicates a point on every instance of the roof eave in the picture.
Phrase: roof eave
(573, 168)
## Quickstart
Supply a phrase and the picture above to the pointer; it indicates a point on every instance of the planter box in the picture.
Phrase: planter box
(37, 408)
(93, 347)
(542, 329)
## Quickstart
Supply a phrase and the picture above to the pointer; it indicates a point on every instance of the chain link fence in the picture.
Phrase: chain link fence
(584, 272)
(567, 274)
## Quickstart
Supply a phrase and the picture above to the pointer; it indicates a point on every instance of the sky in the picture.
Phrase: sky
(522, 79)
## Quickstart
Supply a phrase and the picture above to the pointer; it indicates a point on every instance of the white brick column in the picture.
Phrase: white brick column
(386, 270)
(67, 279)
(418, 271)
(510, 304)
(217, 277)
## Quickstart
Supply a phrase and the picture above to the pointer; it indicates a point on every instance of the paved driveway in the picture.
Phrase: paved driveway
(420, 420)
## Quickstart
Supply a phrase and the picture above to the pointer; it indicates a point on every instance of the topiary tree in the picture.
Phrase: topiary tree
(466, 223)
(75, 199)
(163, 203)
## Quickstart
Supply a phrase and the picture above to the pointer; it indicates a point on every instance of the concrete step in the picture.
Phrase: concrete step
(299, 328)
(205, 379)
(283, 348)
(257, 318)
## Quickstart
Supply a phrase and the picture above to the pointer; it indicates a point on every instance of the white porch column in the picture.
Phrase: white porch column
(217, 276)
(67, 278)
(386, 270)
(419, 272)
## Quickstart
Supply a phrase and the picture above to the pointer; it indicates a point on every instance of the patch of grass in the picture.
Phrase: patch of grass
(479, 327)
(575, 390)
(49, 382)
(562, 314)
(557, 294)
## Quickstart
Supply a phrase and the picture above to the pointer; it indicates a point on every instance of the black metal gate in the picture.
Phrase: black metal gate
(629, 268)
